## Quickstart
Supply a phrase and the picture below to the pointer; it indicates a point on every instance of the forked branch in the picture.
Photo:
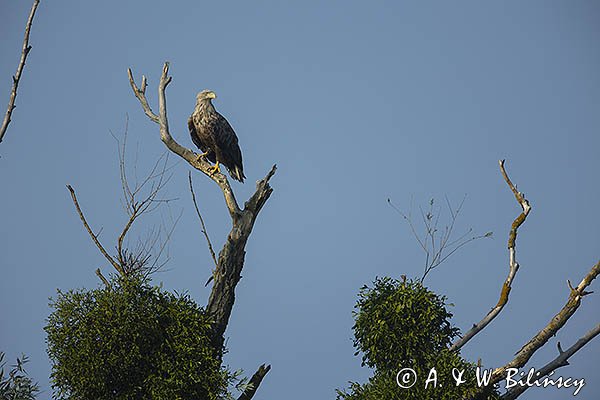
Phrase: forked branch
(555, 324)
(438, 244)
(135, 207)
(560, 361)
(513, 265)
(17, 77)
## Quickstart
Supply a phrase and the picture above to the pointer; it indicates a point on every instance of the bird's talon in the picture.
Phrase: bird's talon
(214, 169)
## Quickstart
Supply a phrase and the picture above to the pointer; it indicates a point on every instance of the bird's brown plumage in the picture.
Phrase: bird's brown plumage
(212, 134)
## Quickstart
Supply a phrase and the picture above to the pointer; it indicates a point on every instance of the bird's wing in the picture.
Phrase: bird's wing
(227, 140)
(228, 143)
(195, 138)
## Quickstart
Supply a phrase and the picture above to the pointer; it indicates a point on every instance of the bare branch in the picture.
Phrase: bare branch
(410, 224)
(560, 361)
(512, 264)
(155, 265)
(138, 200)
(134, 207)
(102, 278)
(439, 260)
(255, 382)
(204, 232)
(555, 324)
(92, 235)
(188, 155)
(435, 244)
(17, 77)
(120, 253)
(140, 93)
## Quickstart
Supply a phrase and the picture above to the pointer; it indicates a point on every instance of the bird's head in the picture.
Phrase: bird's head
(205, 95)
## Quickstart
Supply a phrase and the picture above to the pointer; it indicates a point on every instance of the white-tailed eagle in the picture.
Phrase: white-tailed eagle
(213, 135)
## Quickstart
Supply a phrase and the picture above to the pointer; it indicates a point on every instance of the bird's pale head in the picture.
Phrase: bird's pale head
(205, 95)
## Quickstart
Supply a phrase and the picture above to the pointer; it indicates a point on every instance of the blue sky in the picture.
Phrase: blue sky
(356, 102)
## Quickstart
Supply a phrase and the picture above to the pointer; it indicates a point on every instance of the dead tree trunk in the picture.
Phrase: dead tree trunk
(231, 257)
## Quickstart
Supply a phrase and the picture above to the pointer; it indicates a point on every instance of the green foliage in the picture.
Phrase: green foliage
(132, 341)
(402, 324)
(397, 320)
(16, 385)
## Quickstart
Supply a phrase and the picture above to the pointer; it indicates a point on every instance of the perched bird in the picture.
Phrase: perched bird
(213, 135)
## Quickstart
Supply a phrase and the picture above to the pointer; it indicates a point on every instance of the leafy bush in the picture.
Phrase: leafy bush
(402, 324)
(16, 385)
(132, 341)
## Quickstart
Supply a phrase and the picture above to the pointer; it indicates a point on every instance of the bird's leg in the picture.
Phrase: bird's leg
(214, 169)
(199, 156)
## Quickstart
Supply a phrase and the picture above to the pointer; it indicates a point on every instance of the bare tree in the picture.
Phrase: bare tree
(231, 257)
(17, 76)
(576, 294)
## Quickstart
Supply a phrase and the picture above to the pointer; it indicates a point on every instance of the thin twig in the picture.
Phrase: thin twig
(155, 266)
(154, 182)
(133, 207)
(17, 77)
(441, 260)
(512, 264)
(437, 250)
(210, 248)
(410, 224)
(91, 233)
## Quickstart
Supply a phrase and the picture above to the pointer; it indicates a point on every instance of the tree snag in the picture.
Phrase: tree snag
(513, 265)
(550, 330)
(231, 257)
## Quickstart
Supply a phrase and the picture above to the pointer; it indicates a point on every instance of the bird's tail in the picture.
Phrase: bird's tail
(237, 174)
